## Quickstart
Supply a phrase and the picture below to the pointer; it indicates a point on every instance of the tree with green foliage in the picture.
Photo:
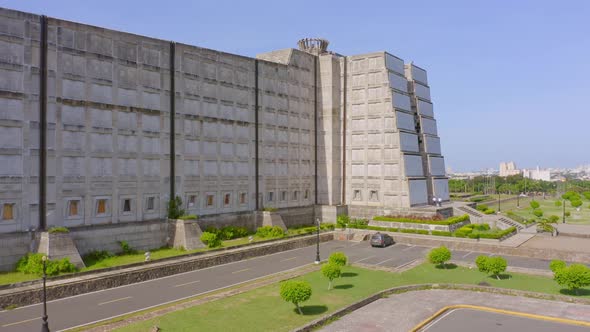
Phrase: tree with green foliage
(586, 194)
(295, 291)
(439, 256)
(32, 263)
(331, 271)
(212, 240)
(553, 219)
(573, 277)
(558, 203)
(174, 209)
(556, 264)
(535, 204)
(538, 213)
(481, 263)
(568, 214)
(338, 258)
(576, 203)
(491, 265)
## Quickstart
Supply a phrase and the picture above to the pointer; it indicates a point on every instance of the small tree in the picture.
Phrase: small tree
(576, 203)
(556, 264)
(295, 291)
(573, 277)
(175, 210)
(496, 265)
(482, 263)
(338, 258)
(535, 204)
(331, 271)
(538, 213)
(558, 203)
(342, 220)
(439, 256)
(553, 219)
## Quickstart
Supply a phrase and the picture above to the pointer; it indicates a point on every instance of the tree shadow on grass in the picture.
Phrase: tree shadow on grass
(569, 292)
(348, 274)
(312, 309)
(502, 276)
(345, 286)
(449, 266)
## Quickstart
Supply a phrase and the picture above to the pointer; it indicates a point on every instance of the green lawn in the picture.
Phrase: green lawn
(548, 207)
(263, 309)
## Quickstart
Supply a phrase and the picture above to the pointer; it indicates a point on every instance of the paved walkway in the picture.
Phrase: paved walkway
(402, 312)
(583, 230)
(559, 243)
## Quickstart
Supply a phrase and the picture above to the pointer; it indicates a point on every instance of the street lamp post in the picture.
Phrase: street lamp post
(518, 201)
(45, 325)
(563, 221)
(498, 201)
(317, 255)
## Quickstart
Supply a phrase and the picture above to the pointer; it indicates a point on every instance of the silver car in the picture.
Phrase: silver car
(381, 240)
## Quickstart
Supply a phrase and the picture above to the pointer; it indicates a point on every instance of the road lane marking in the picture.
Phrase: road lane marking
(239, 271)
(408, 248)
(116, 300)
(387, 260)
(188, 283)
(22, 321)
(467, 254)
(288, 259)
(364, 259)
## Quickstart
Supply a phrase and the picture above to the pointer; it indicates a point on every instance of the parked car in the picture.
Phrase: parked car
(381, 240)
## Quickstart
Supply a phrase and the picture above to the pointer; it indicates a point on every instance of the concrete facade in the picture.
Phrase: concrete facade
(312, 126)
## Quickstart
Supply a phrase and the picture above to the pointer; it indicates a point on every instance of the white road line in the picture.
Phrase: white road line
(157, 279)
(364, 259)
(438, 319)
(288, 259)
(116, 300)
(467, 254)
(22, 321)
(240, 271)
(408, 248)
(387, 260)
(188, 283)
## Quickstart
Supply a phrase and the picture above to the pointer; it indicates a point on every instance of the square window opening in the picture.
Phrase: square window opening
(127, 205)
(242, 198)
(151, 203)
(226, 199)
(73, 206)
(8, 211)
(210, 200)
(101, 206)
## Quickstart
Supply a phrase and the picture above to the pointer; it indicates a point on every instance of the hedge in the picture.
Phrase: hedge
(446, 222)
(442, 233)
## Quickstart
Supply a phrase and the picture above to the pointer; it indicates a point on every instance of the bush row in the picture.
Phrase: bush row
(446, 222)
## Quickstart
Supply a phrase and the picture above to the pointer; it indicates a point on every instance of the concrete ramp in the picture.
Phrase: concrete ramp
(58, 246)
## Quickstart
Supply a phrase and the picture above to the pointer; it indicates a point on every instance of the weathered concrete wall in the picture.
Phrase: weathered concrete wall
(366, 212)
(13, 246)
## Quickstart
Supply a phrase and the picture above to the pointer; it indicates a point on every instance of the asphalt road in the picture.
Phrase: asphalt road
(482, 321)
(92, 307)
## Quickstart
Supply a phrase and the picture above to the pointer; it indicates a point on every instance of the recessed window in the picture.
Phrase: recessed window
(243, 198)
(8, 211)
(295, 195)
(127, 205)
(101, 206)
(210, 199)
(373, 195)
(227, 199)
(73, 208)
(151, 203)
(283, 195)
(192, 201)
(306, 194)
(357, 195)
(271, 196)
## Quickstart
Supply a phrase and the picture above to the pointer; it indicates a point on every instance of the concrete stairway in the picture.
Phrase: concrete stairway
(477, 217)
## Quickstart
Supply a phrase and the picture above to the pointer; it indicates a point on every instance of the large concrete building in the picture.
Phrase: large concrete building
(127, 121)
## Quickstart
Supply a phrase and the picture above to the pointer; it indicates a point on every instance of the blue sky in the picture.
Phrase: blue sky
(510, 80)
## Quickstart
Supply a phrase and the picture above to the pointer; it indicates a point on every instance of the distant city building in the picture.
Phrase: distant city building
(508, 169)
(537, 174)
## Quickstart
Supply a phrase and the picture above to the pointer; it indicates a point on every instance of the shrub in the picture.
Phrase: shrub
(96, 256)
(586, 194)
(295, 291)
(414, 231)
(342, 220)
(556, 265)
(270, 209)
(33, 264)
(212, 240)
(174, 208)
(573, 277)
(576, 203)
(491, 265)
(538, 213)
(358, 223)
(489, 211)
(331, 271)
(558, 203)
(535, 204)
(232, 232)
(481, 263)
(481, 207)
(338, 258)
(553, 219)
(481, 227)
(212, 229)
(446, 222)
(439, 256)
(567, 213)
(189, 217)
(479, 198)
(441, 233)
(270, 232)
(60, 229)
(126, 249)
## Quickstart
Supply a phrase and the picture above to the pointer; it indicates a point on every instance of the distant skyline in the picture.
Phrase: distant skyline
(509, 79)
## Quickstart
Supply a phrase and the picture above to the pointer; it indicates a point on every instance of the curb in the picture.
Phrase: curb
(402, 289)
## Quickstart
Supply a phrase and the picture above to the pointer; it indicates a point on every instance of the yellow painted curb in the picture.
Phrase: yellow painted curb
(499, 311)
